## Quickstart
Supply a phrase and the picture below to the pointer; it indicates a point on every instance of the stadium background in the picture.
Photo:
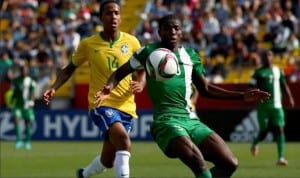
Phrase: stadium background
(66, 117)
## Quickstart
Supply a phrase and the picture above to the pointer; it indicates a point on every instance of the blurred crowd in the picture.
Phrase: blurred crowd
(232, 32)
(44, 33)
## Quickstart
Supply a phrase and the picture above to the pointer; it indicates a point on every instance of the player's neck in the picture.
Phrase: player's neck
(110, 36)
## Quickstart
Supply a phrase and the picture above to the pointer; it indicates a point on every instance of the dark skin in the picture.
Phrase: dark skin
(118, 138)
(213, 148)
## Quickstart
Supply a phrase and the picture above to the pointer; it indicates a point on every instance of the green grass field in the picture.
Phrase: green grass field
(61, 159)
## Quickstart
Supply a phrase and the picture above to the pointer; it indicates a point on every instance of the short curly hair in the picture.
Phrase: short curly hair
(105, 2)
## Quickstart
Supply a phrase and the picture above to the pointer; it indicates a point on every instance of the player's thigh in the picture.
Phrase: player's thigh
(263, 115)
(28, 115)
(165, 130)
(17, 112)
(111, 120)
(278, 117)
(214, 149)
(197, 130)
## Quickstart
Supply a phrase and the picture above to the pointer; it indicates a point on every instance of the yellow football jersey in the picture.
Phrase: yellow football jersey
(104, 58)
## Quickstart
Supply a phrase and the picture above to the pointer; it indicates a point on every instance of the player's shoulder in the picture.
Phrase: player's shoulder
(188, 49)
(148, 48)
(128, 35)
(87, 40)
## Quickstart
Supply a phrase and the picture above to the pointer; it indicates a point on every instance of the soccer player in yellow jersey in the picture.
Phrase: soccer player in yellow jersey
(105, 52)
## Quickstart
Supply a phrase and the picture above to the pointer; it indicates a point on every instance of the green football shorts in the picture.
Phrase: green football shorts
(26, 114)
(266, 116)
(166, 128)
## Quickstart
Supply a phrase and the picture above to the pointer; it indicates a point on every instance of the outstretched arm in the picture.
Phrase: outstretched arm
(112, 82)
(211, 91)
(62, 76)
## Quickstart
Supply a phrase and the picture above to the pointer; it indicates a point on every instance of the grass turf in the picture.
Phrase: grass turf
(61, 159)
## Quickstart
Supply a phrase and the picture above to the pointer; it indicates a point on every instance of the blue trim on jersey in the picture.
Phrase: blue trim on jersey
(103, 117)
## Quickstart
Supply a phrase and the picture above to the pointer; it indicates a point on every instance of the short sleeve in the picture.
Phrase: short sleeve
(78, 57)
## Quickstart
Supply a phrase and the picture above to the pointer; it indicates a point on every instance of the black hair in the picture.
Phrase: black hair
(167, 18)
(105, 2)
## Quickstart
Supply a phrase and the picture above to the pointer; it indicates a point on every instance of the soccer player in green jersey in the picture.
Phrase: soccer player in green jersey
(178, 133)
(22, 102)
(270, 114)
(105, 52)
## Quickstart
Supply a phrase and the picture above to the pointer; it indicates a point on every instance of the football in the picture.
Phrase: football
(162, 64)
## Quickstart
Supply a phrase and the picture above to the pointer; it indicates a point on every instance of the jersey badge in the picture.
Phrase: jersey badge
(124, 48)
(109, 113)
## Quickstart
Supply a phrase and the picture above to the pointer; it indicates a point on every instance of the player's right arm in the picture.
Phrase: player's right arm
(61, 78)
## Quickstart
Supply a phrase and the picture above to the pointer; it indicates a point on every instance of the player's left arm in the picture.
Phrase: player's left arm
(286, 88)
(209, 90)
(137, 85)
(289, 93)
(139, 76)
(112, 82)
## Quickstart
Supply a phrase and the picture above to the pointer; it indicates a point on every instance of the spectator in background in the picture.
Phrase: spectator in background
(7, 47)
(290, 69)
(187, 24)
(5, 63)
(21, 52)
(71, 39)
(207, 4)
(68, 7)
(293, 43)
(235, 21)
(253, 21)
(211, 25)
(196, 11)
(279, 43)
(275, 8)
(157, 10)
(296, 8)
(222, 11)
(290, 21)
(240, 52)
(218, 72)
(221, 43)
(197, 26)
(57, 28)
(199, 43)
(251, 42)
(85, 28)
(45, 69)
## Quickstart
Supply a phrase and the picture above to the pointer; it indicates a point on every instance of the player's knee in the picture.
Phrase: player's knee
(121, 142)
(233, 164)
(124, 144)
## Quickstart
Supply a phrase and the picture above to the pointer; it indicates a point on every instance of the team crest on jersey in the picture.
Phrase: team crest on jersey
(124, 48)
(109, 113)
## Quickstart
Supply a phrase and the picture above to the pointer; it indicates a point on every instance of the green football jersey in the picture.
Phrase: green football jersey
(172, 96)
(269, 80)
(23, 88)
